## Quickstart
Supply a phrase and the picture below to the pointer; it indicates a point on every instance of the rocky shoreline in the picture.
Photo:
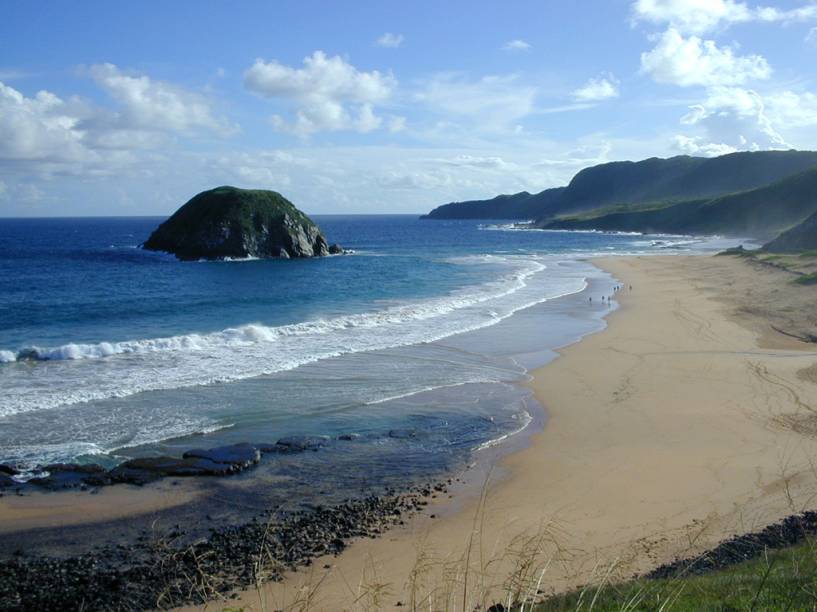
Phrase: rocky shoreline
(168, 569)
(791, 530)
(219, 461)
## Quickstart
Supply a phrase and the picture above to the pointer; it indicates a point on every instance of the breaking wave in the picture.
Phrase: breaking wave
(87, 372)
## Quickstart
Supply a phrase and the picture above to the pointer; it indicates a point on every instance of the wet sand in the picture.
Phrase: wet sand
(44, 510)
(688, 420)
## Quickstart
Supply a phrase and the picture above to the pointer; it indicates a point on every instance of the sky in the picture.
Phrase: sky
(115, 108)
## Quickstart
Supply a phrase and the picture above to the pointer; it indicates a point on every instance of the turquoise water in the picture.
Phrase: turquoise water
(108, 351)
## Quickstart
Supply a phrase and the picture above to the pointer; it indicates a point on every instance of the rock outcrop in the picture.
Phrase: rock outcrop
(228, 222)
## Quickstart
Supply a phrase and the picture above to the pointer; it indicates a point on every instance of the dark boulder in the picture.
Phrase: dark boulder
(294, 444)
(70, 475)
(147, 469)
(335, 249)
(403, 434)
(228, 222)
(243, 455)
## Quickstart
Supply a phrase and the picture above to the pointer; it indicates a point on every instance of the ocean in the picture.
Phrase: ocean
(411, 347)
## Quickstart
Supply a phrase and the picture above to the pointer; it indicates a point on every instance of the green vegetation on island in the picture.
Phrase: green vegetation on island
(228, 222)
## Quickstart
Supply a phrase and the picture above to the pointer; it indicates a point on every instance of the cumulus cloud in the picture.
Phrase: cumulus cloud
(149, 104)
(328, 93)
(602, 87)
(701, 16)
(389, 40)
(517, 45)
(693, 145)
(41, 128)
(733, 118)
(48, 134)
(692, 61)
(695, 16)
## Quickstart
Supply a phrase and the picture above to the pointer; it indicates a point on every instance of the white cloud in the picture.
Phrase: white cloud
(517, 45)
(476, 161)
(735, 119)
(153, 105)
(322, 91)
(46, 134)
(791, 110)
(43, 128)
(491, 102)
(389, 40)
(698, 146)
(701, 16)
(693, 61)
(397, 124)
(602, 87)
(811, 37)
(696, 16)
(802, 13)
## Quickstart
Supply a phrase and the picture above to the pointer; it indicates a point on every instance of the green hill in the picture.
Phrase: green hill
(516, 206)
(802, 237)
(761, 212)
(672, 180)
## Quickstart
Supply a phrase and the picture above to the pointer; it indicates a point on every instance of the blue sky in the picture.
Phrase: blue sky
(377, 107)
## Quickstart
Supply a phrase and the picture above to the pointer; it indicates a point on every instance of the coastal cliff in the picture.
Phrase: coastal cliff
(228, 222)
(596, 196)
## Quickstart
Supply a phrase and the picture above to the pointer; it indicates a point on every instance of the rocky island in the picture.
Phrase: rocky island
(228, 222)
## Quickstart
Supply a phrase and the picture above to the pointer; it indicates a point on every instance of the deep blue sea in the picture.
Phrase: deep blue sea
(108, 351)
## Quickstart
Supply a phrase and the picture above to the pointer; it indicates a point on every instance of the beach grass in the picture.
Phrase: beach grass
(784, 579)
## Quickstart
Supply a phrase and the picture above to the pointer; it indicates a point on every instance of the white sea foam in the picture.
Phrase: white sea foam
(86, 372)
(525, 419)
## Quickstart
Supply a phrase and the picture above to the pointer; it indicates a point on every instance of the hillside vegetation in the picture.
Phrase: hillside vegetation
(655, 182)
(761, 212)
(802, 237)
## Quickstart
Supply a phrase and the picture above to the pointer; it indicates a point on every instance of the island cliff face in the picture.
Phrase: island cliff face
(228, 222)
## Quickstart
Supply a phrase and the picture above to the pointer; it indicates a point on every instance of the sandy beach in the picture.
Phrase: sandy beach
(689, 419)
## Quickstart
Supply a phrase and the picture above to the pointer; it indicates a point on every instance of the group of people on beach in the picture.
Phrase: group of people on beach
(608, 299)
